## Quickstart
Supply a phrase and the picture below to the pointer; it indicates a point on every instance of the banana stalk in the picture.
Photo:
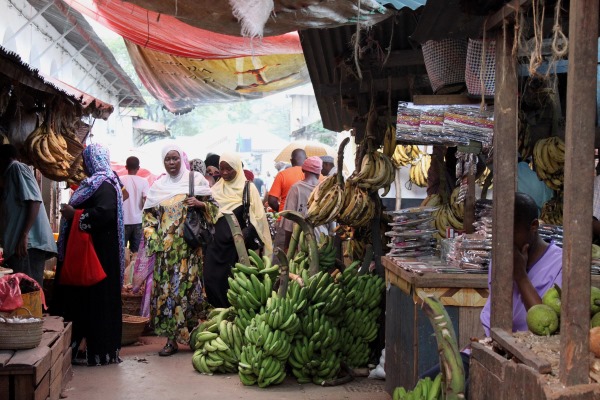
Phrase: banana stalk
(367, 261)
(293, 248)
(450, 359)
(309, 236)
(284, 273)
(340, 160)
(238, 238)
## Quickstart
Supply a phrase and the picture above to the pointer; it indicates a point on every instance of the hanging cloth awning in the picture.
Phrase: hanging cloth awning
(182, 83)
(167, 34)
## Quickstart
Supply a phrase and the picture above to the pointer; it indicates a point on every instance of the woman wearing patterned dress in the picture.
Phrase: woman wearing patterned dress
(95, 310)
(177, 301)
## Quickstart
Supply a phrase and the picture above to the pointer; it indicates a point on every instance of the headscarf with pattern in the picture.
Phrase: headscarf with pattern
(97, 163)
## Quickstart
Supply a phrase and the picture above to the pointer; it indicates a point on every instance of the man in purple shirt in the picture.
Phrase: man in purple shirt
(537, 265)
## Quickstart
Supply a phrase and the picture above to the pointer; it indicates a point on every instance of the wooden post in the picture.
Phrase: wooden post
(505, 165)
(579, 173)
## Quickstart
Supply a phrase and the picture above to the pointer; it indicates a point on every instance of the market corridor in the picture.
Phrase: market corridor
(145, 375)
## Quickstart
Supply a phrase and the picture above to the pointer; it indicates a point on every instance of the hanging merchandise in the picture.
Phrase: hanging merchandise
(480, 73)
(445, 63)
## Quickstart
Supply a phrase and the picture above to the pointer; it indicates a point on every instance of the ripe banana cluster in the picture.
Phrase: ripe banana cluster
(405, 155)
(552, 211)
(358, 208)
(376, 172)
(325, 202)
(355, 249)
(549, 160)
(268, 343)
(481, 180)
(364, 293)
(327, 199)
(419, 169)
(49, 152)
(425, 389)
(217, 343)
(444, 217)
(389, 141)
(433, 200)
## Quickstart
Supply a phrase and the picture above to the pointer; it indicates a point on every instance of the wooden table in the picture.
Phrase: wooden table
(410, 347)
(42, 372)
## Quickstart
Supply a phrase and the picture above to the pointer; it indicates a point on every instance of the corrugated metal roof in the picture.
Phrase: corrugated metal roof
(400, 4)
(62, 17)
(341, 96)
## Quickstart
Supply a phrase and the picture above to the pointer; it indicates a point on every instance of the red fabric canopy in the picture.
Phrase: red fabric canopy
(167, 34)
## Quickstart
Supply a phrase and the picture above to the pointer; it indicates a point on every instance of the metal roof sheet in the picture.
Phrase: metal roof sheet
(400, 4)
(84, 39)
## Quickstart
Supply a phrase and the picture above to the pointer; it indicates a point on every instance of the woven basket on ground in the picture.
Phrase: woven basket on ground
(131, 303)
(16, 336)
(133, 326)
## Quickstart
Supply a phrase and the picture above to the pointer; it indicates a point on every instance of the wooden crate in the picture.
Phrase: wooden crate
(494, 377)
(38, 373)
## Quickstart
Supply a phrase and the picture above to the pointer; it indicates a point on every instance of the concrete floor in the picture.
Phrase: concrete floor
(146, 376)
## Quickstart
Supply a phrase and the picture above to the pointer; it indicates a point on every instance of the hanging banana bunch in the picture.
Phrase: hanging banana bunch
(405, 155)
(419, 169)
(549, 161)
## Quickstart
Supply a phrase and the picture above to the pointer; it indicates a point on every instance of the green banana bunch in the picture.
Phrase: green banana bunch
(217, 343)
(326, 252)
(425, 389)
(268, 342)
(251, 286)
(363, 295)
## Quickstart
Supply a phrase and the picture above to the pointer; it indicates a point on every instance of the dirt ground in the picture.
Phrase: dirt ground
(146, 376)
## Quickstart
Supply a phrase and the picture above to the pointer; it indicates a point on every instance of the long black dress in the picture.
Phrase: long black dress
(220, 258)
(96, 310)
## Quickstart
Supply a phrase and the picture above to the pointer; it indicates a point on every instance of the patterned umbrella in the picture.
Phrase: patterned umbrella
(311, 149)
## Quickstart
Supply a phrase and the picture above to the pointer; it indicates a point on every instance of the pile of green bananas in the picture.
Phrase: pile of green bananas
(363, 294)
(425, 389)
(327, 254)
(217, 343)
(315, 353)
(250, 287)
(268, 343)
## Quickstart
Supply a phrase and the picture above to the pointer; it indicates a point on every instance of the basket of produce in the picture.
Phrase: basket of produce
(133, 326)
(131, 302)
(20, 332)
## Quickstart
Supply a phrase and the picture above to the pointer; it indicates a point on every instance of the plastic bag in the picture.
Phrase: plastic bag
(144, 265)
(81, 266)
(379, 371)
(10, 291)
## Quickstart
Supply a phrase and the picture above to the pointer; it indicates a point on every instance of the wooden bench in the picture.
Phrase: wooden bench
(40, 373)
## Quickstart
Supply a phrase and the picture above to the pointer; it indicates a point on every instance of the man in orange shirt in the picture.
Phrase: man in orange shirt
(280, 188)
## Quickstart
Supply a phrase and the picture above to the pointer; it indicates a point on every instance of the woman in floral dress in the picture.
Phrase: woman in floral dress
(177, 301)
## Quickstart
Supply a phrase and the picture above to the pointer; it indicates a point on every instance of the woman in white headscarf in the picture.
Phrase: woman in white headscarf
(221, 254)
(176, 302)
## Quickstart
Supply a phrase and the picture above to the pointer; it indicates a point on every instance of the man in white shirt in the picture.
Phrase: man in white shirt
(137, 188)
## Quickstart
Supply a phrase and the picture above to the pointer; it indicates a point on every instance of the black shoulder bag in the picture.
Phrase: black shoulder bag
(251, 238)
(196, 231)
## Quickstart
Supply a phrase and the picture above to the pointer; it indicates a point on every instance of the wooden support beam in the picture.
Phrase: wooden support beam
(506, 12)
(505, 165)
(524, 354)
(357, 87)
(578, 194)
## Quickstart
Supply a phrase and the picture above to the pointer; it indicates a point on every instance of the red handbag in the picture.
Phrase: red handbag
(81, 266)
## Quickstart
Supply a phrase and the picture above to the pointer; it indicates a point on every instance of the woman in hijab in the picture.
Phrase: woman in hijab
(199, 166)
(177, 302)
(95, 310)
(221, 254)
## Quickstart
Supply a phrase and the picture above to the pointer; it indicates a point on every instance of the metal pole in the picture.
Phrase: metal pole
(51, 45)
(72, 58)
(29, 21)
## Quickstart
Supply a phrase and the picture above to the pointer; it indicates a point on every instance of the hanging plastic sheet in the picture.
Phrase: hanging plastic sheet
(182, 83)
(287, 16)
(167, 34)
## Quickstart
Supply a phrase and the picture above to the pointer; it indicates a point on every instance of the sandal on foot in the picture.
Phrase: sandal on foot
(168, 350)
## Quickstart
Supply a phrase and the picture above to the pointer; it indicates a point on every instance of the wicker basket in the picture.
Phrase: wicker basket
(131, 303)
(16, 336)
(133, 326)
